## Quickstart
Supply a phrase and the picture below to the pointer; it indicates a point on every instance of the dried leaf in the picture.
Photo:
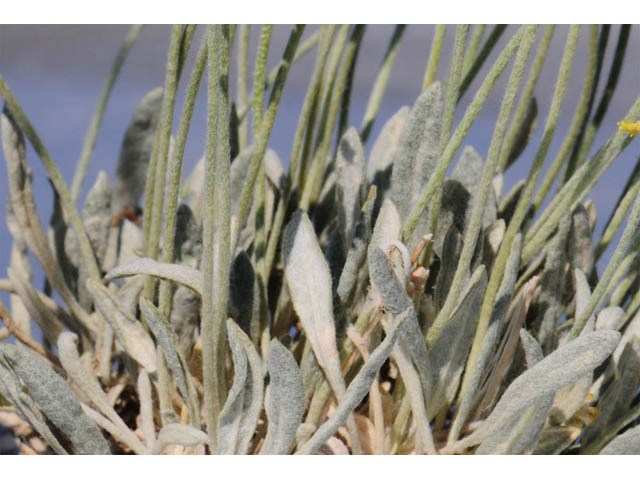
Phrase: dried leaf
(83, 376)
(358, 388)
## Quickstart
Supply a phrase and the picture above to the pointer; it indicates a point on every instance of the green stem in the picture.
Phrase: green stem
(175, 172)
(380, 84)
(241, 85)
(154, 201)
(298, 143)
(491, 42)
(522, 207)
(265, 132)
(216, 229)
(56, 178)
(527, 95)
(475, 223)
(461, 131)
(434, 56)
(576, 122)
(474, 43)
(96, 120)
(453, 82)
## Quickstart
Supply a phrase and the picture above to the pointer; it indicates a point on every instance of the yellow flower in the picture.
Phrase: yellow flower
(630, 127)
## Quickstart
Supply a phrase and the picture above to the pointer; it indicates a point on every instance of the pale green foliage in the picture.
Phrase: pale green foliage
(383, 295)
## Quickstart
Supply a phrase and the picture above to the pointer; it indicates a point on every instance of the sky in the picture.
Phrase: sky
(56, 72)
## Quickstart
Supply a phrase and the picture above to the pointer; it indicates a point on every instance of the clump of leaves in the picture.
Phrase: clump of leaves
(344, 304)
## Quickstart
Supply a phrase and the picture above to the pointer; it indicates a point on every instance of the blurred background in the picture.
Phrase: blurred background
(57, 72)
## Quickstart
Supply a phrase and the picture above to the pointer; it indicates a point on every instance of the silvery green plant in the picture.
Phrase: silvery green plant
(336, 302)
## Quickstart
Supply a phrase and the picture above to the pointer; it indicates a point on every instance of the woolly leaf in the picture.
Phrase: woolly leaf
(627, 443)
(187, 276)
(178, 434)
(449, 351)
(309, 282)
(239, 416)
(563, 367)
(56, 399)
(284, 401)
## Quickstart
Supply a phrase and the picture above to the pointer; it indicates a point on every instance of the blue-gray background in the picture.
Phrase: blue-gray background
(57, 72)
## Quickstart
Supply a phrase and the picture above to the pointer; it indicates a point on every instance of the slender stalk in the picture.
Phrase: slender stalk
(475, 223)
(461, 131)
(453, 82)
(572, 162)
(313, 183)
(175, 172)
(434, 56)
(522, 207)
(345, 101)
(265, 132)
(576, 122)
(527, 95)
(491, 42)
(578, 186)
(258, 82)
(258, 105)
(612, 83)
(154, 201)
(380, 84)
(618, 215)
(217, 228)
(598, 295)
(241, 85)
(298, 143)
(474, 43)
(56, 179)
(96, 120)
(304, 47)
(325, 127)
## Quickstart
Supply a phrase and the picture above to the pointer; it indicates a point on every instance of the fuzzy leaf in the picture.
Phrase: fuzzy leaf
(56, 399)
(309, 282)
(467, 171)
(178, 434)
(418, 150)
(167, 341)
(284, 401)
(82, 374)
(627, 443)
(239, 416)
(563, 367)
(129, 333)
(131, 173)
(349, 184)
(523, 434)
(187, 276)
(449, 351)
(394, 296)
